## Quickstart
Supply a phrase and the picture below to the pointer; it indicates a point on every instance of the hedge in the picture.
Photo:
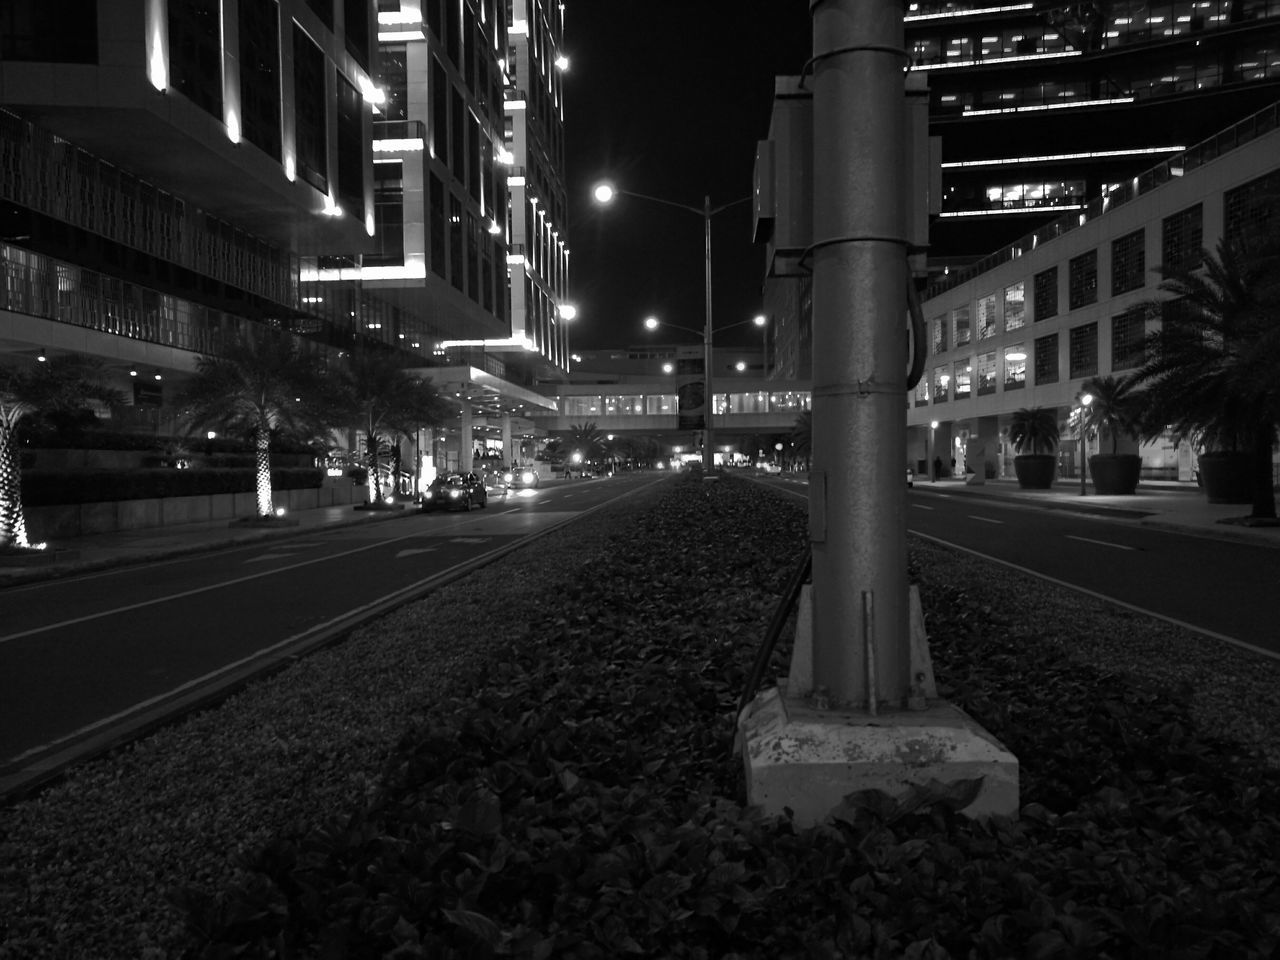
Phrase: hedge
(48, 487)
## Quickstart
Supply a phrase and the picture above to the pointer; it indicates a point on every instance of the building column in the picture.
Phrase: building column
(508, 452)
(466, 447)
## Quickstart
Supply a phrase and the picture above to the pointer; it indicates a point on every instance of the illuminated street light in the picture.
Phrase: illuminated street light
(1085, 400)
(604, 193)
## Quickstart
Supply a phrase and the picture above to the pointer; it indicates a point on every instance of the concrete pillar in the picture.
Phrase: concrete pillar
(508, 451)
(466, 447)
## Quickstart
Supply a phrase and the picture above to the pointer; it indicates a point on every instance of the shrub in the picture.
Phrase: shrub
(65, 487)
(579, 799)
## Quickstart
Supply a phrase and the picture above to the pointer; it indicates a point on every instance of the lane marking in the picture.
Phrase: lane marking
(470, 539)
(195, 591)
(1101, 543)
(920, 506)
(1203, 631)
(272, 556)
(974, 516)
(414, 550)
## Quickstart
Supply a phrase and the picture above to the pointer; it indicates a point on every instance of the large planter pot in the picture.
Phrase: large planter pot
(1227, 477)
(1115, 473)
(1035, 471)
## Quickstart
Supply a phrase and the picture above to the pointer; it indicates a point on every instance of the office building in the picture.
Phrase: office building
(1042, 108)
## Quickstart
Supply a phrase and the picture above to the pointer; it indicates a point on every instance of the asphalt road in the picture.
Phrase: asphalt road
(1225, 588)
(83, 657)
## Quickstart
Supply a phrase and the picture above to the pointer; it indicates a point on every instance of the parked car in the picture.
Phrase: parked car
(455, 491)
(521, 478)
(911, 477)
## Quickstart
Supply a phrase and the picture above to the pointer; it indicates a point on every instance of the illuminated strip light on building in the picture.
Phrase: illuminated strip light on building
(1049, 158)
(391, 18)
(522, 342)
(404, 145)
(400, 36)
(1048, 106)
(1000, 213)
(410, 271)
(993, 61)
(518, 28)
(954, 14)
(516, 181)
(515, 105)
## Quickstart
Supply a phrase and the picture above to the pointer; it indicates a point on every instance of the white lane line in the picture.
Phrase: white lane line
(512, 510)
(1204, 632)
(974, 516)
(1101, 543)
(198, 590)
(920, 506)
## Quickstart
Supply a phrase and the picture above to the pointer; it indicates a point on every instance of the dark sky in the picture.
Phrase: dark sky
(668, 98)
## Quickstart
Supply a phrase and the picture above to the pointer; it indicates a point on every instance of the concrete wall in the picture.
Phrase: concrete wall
(76, 520)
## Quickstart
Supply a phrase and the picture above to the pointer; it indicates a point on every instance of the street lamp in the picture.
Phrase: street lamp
(1085, 400)
(761, 321)
(604, 194)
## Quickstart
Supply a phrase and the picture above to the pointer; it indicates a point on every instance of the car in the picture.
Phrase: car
(455, 491)
(521, 478)
(911, 477)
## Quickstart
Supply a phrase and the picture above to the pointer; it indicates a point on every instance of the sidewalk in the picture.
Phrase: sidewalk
(1174, 506)
(1168, 505)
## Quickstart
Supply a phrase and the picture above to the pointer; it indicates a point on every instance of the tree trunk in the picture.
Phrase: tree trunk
(1264, 494)
(13, 522)
(371, 453)
(262, 465)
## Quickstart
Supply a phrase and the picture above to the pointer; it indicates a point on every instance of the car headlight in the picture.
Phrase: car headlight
(526, 477)
(507, 477)
(455, 494)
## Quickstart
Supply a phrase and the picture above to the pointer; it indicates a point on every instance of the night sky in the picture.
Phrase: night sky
(668, 98)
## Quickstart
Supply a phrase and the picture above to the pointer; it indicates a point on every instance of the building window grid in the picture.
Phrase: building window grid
(939, 342)
(1015, 370)
(1181, 238)
(1046, 294)
(986, 373)
(1128, 262)
(1082, 356)
(960, 325)
(941, 377)
(1015, 314)
(962, 375)
(1082, 280)
(988, 323)
(922, 392)
(1128, 339)
(1046, 359)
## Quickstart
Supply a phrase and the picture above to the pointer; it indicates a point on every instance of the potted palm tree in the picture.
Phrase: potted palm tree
(1030, 430)
(1210, 368)
(1113, 412)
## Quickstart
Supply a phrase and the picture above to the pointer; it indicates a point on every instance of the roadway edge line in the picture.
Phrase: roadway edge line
(1211, 634)
(44, 767)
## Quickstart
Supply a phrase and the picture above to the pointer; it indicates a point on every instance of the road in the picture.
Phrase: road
(85, 659)
(1220, 587)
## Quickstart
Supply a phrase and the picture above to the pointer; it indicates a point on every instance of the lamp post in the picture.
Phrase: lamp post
(1085, 400)
(604, 194)
(761, 321)
(653, 323)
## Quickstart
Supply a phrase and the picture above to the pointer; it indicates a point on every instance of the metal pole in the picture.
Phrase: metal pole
(708, 448)
(857, 494)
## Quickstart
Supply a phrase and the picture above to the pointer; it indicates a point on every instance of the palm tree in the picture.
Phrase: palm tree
(259, 384)
(1032, 428)
(1210, 372)
(56, 388)
(1115, 408)
(585, 438)
(388, 404)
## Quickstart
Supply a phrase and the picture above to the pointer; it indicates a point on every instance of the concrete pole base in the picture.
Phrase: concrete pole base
(808, 760)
